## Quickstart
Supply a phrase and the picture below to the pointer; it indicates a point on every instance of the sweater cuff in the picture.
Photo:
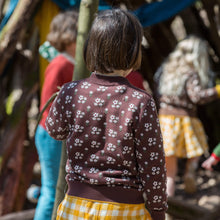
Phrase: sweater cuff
(158, 215)
(218, 90)
(215, 156)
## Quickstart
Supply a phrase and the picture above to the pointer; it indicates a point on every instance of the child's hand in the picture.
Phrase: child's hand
(207, 164)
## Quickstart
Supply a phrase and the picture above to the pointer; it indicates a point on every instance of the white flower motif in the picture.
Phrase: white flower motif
(68, 99)
(82, 99)
(126, 150)
(137, 95)
(116, 104)
(120, 89)
(78, 142)
(95, 130)
(157, 199)
(95, 144)
(79, 155)
(97, 116)
(111, 147)
(112, 133)
(50, 121)
(77, 169)
(93, 170)
(85, 85)
(128, 136)
(68, 114)
(154, 155)
(113, 119)
(78, 128)
(148, 126)
(110, 160)
(99, 102)
(125, 172)
(132, 108)
(128, 121)
(152, 141)
(94, 158)
(110, 180)
(155, 170)
(80, 114)
(127, 163)
(156, 185)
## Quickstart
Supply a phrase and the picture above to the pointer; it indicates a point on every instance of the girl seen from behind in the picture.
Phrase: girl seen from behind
(182, 86)
(114, 143)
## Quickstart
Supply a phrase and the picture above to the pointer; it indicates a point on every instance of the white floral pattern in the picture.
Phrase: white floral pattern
(113, 137)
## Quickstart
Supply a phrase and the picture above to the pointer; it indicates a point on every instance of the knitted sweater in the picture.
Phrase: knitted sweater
(58, 72)
(114, 143)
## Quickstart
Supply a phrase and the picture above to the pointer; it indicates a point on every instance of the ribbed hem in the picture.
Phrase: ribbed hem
(158, 215)
(104, 193)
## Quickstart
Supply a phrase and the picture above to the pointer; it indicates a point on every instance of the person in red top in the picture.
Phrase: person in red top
(62, 36)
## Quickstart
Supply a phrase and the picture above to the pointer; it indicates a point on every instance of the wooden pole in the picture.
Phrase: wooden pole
(88, 8)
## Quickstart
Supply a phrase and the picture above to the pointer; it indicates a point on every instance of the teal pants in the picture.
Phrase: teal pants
(49, 151)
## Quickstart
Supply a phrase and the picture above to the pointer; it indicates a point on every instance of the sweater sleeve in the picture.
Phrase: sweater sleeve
(216, 151)
(151, 160)
(57, 120)
(197, 94)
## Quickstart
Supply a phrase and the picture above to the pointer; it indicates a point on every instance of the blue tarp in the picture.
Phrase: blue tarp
(12, 5)
(148, 14)
(67, 4)
(153, 13)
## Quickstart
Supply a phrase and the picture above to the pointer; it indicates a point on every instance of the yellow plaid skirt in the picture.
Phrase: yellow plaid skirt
(75, 208)
(183, 136)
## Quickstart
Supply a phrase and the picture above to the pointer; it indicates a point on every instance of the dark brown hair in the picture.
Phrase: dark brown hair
(114, 42)
(63, 30)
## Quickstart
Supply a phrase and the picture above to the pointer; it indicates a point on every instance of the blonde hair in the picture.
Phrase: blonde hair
(190, 55)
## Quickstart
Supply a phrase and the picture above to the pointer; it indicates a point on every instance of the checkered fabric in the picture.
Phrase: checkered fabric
(75, 208)
(183, 136)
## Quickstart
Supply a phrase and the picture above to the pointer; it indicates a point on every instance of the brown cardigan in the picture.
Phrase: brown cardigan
(114, 143)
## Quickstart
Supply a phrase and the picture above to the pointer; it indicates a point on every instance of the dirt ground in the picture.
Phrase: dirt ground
(204, 204)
